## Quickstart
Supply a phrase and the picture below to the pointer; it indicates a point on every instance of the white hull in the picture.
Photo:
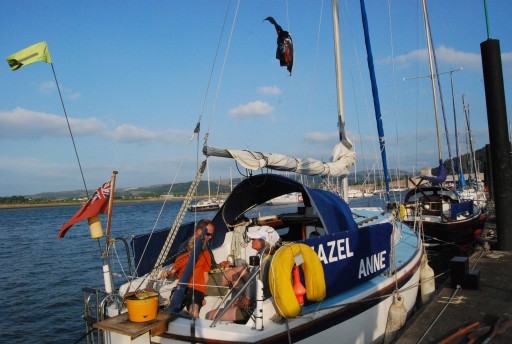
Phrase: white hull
(341, 316)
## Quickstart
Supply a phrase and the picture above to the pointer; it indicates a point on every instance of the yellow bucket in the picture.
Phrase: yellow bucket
(142, 310)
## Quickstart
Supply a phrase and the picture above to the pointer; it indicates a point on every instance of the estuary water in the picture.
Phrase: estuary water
(41, 277)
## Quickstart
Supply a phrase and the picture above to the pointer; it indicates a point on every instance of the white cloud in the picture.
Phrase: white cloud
(506, 60)
(452, 57)
(321, 138)
(23, 123)
(444, 55)
(131, 133)
(269, 90)
(252, 109)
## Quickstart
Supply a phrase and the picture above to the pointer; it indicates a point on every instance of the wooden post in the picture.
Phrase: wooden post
(110, 203)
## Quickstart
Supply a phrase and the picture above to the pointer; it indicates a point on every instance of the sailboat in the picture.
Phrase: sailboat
(476, 190)
(446, 217)
(209, 204)
(291, 198)
(354, 263)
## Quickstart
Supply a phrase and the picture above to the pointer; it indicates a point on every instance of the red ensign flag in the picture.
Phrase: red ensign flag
(97, 204)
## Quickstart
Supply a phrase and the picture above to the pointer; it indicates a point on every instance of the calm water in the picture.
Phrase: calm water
(41, 279)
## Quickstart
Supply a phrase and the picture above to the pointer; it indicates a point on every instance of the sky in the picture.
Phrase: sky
(136, 77)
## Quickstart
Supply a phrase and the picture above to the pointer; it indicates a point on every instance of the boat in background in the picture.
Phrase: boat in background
(354, 193)
(476, 194)
(291, 198)
(210, 204)
(445, 216)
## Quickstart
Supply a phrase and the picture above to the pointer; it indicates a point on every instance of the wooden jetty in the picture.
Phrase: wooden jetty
(482, 296)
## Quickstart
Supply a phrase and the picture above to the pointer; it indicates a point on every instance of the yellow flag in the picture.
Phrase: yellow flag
(34, 53)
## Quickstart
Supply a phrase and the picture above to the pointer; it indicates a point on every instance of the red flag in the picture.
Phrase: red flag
(97, 204)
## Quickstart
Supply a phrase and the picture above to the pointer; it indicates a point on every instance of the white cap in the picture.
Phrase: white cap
(266, 233)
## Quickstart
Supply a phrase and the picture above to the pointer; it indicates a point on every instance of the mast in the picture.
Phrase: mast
(376, 102)
(339, 88)
(462, 180)
(432, 77)
(472, 152)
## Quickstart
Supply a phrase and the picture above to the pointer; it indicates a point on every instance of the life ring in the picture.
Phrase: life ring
(398, 210)
(280, 281)
(402, 211)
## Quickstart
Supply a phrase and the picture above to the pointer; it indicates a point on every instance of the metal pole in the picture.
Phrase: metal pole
(498, 138)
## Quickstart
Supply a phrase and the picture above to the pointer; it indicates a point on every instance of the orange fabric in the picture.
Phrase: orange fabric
(203, 266)
(180, 263)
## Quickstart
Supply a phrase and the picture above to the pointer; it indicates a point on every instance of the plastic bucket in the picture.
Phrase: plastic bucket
(142, 310)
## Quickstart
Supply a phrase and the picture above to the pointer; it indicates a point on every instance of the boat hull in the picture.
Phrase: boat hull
(358, 322)
(453, 232)
(445, 216)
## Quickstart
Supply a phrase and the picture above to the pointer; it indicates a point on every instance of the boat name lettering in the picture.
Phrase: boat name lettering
(337, 250)
(372, 264)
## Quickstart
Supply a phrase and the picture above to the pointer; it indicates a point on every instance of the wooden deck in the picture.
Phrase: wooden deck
(121, 324)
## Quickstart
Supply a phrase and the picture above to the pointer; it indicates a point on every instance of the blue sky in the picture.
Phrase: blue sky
(134, 77)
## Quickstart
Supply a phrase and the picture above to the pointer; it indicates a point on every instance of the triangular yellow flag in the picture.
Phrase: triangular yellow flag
(34, 53)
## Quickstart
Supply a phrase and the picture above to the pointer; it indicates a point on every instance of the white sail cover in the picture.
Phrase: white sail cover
(342, 159)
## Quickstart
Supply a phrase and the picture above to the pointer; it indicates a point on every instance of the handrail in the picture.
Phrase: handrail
(254, 272)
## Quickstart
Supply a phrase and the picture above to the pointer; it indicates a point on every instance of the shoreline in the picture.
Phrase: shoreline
(78, 203)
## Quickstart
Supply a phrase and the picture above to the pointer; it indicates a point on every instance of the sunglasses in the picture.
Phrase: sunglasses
(208, 234)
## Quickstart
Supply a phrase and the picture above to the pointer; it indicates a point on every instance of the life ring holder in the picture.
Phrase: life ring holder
(280, 280)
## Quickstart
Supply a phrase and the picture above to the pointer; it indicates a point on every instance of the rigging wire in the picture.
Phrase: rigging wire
(214, 106)
(364, 93)
(313, 83)
(394, 96)
(74, 146)
(196, 131)
(70, 132)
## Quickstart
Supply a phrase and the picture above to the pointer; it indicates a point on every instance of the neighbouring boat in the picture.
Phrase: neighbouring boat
(445, 217)
(477, 195)
(354, 263)
(291, 198)
(354, 193)
(210, 204)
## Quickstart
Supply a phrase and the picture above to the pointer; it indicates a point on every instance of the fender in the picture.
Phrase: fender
(280, 280)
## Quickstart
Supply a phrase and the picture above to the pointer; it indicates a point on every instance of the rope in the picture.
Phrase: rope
(238, 242)
(174, 229)
(439, 315)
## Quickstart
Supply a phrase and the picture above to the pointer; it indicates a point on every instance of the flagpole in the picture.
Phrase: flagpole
(70, 132)
(110, 203)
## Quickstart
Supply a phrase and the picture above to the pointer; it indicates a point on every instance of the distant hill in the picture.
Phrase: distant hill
(223, 186)
(179, 189)
(467, 163)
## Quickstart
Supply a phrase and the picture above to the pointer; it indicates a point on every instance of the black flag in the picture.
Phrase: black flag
(284, 52)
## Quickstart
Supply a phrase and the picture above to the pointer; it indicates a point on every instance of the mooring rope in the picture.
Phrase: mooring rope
(440, 313)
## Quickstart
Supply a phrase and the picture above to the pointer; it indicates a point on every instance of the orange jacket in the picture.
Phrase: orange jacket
(202, 267)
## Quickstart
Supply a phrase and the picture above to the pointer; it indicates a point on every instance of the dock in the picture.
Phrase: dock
(479, 301)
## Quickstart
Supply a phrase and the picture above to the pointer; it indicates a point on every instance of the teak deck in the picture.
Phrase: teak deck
(121, 324)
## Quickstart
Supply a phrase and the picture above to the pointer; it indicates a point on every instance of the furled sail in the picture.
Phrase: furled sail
(341, 162)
